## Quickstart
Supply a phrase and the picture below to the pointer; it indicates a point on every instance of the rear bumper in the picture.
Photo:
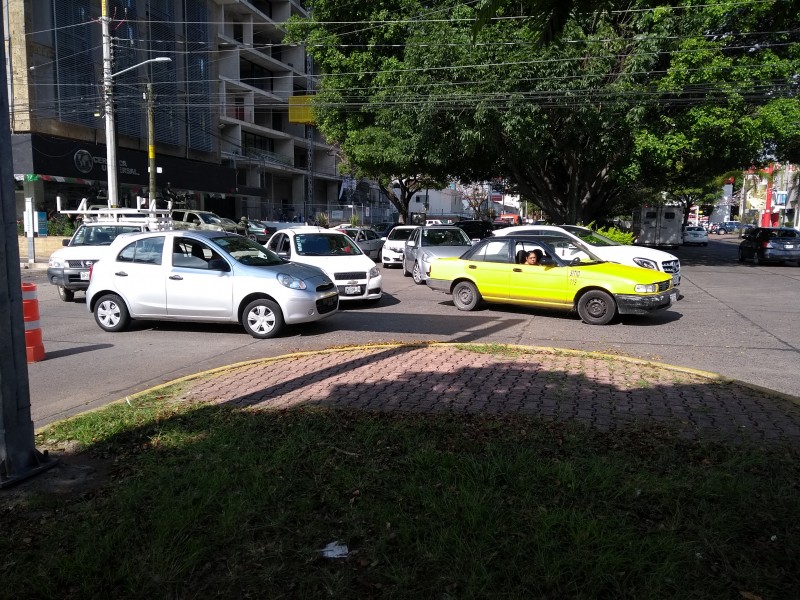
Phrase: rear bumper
(776, 255)
(641, 305)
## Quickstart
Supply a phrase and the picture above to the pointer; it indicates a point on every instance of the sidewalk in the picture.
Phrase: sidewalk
(600, 390)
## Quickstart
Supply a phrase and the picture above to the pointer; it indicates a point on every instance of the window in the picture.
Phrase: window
(147, 251)
(495, 251)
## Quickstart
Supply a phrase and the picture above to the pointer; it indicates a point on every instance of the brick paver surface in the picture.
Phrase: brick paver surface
(604, 392)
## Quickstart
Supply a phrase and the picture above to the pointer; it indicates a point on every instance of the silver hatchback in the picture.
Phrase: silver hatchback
(205, 276)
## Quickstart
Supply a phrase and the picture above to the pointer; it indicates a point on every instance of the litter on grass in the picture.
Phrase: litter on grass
(335, 549)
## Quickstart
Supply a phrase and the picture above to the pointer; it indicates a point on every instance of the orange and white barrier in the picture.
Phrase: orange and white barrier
(30, 314)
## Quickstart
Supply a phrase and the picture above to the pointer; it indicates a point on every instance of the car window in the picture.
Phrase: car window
(325, 244)
(248, 252)
(400, 234)
(371, 235)
(591, 237)
(495, 251)
(177, 215)
(784, 233)
(147, 251)
(445, 237)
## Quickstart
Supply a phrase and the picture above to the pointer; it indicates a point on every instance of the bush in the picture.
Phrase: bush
(60, 226)
(614, 233)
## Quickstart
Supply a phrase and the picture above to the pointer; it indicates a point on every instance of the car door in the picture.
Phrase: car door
(139, 277)
(193, 290)
(543, 284)
(490, 269)
(374, 243)
(410, 250)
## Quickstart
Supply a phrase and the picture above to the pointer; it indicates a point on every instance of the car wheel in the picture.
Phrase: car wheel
(253, 237)
(416, 273)
(262, 319)
(756, 259)
(741, 256)
(65, 294)
(111, 314)
(405, 272)
(466, 296)
(596, 307)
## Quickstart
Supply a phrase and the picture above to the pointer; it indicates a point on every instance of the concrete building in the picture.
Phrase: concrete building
(223, 138)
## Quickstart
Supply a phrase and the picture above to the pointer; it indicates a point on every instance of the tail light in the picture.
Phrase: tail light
(91, 268)
(766, 245)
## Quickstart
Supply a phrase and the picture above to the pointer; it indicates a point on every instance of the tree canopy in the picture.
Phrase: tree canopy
(621, 98)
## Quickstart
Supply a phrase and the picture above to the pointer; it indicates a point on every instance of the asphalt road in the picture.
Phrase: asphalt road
(735, 319)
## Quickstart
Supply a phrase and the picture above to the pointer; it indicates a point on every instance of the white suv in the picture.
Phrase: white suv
(607, 249)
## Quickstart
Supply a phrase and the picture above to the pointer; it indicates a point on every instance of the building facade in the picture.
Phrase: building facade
(220, 110)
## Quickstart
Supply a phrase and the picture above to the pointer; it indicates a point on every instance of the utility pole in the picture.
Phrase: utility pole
(108, 83)
(19, 459)
(151, 146)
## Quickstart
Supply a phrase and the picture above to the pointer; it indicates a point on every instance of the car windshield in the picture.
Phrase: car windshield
(400, 234)
(694, 229)
(247, 252)
(325, 244)
(590, 237)
(210, 219)
(445, 237)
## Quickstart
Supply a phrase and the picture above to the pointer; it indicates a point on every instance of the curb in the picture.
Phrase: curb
(525, 349)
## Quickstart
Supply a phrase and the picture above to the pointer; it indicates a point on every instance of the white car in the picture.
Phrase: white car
(695, 234)
(395, 244)
(356, 276)
(605, 248)
(205, 276)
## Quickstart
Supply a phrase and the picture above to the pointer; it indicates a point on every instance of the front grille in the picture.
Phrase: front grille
(663, 286)
(80, 264)
(325, 287)
(671, 266)
(328, 304)
(350, 275)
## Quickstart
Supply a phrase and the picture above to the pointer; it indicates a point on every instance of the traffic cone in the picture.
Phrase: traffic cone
(30, 314)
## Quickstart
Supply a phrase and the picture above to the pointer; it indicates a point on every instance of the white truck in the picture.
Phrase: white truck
(68, 268)
(658, 226)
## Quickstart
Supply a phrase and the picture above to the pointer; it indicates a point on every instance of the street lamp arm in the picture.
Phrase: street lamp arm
(144, 62)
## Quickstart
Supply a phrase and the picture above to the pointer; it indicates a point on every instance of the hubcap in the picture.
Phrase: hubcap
(261, 319)
(108, 313)
(597, 308)
(465, 295)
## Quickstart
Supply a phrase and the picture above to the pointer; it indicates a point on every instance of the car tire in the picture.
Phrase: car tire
(596, 307)
(466, 296)
(111, 314)
(65, 294)
(741, 256)
(416, 273)
(262, 319)
(756, 259)
(405, 272)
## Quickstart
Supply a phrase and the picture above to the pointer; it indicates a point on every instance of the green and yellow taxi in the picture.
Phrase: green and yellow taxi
(566, 275)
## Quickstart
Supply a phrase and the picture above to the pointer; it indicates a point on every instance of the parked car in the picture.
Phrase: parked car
(746, 228)
(367, 239)
(476, 229)
(607, 249)
(354, 273)
(68, 268)
(429, 243)
(695, 234)
(383, 229)
(395, 244)
(770, 244)
(258, 231)
(205, 276)
(727, 227)
(494, 271)
(201, 219)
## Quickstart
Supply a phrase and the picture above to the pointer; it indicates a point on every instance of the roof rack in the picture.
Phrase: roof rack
(154, 219)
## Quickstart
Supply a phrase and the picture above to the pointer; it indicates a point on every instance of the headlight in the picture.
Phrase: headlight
(215, 228)
(373, 272)
(646, 263)
(55, 263)
(650, 288)
(291, 282)
(426, 257)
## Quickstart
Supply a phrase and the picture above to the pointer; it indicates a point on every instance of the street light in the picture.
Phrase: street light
(108, 81)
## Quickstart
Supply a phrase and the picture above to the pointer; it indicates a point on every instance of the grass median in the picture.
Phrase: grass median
(208, 500)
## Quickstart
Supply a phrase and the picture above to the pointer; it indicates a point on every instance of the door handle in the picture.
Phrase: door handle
(176, 277)
(517, 270)
(472, 267)
(121, 274)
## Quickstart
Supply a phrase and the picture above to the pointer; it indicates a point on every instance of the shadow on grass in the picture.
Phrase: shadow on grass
(483, 482)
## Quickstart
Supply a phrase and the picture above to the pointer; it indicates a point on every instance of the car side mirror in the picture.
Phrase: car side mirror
(411, 243)
(66, 242)
(283, 255)
(218, 264)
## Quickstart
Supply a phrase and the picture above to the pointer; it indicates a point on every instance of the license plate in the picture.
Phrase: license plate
(789, 246)
(352, 290)
(673, 298)
(84, 275)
